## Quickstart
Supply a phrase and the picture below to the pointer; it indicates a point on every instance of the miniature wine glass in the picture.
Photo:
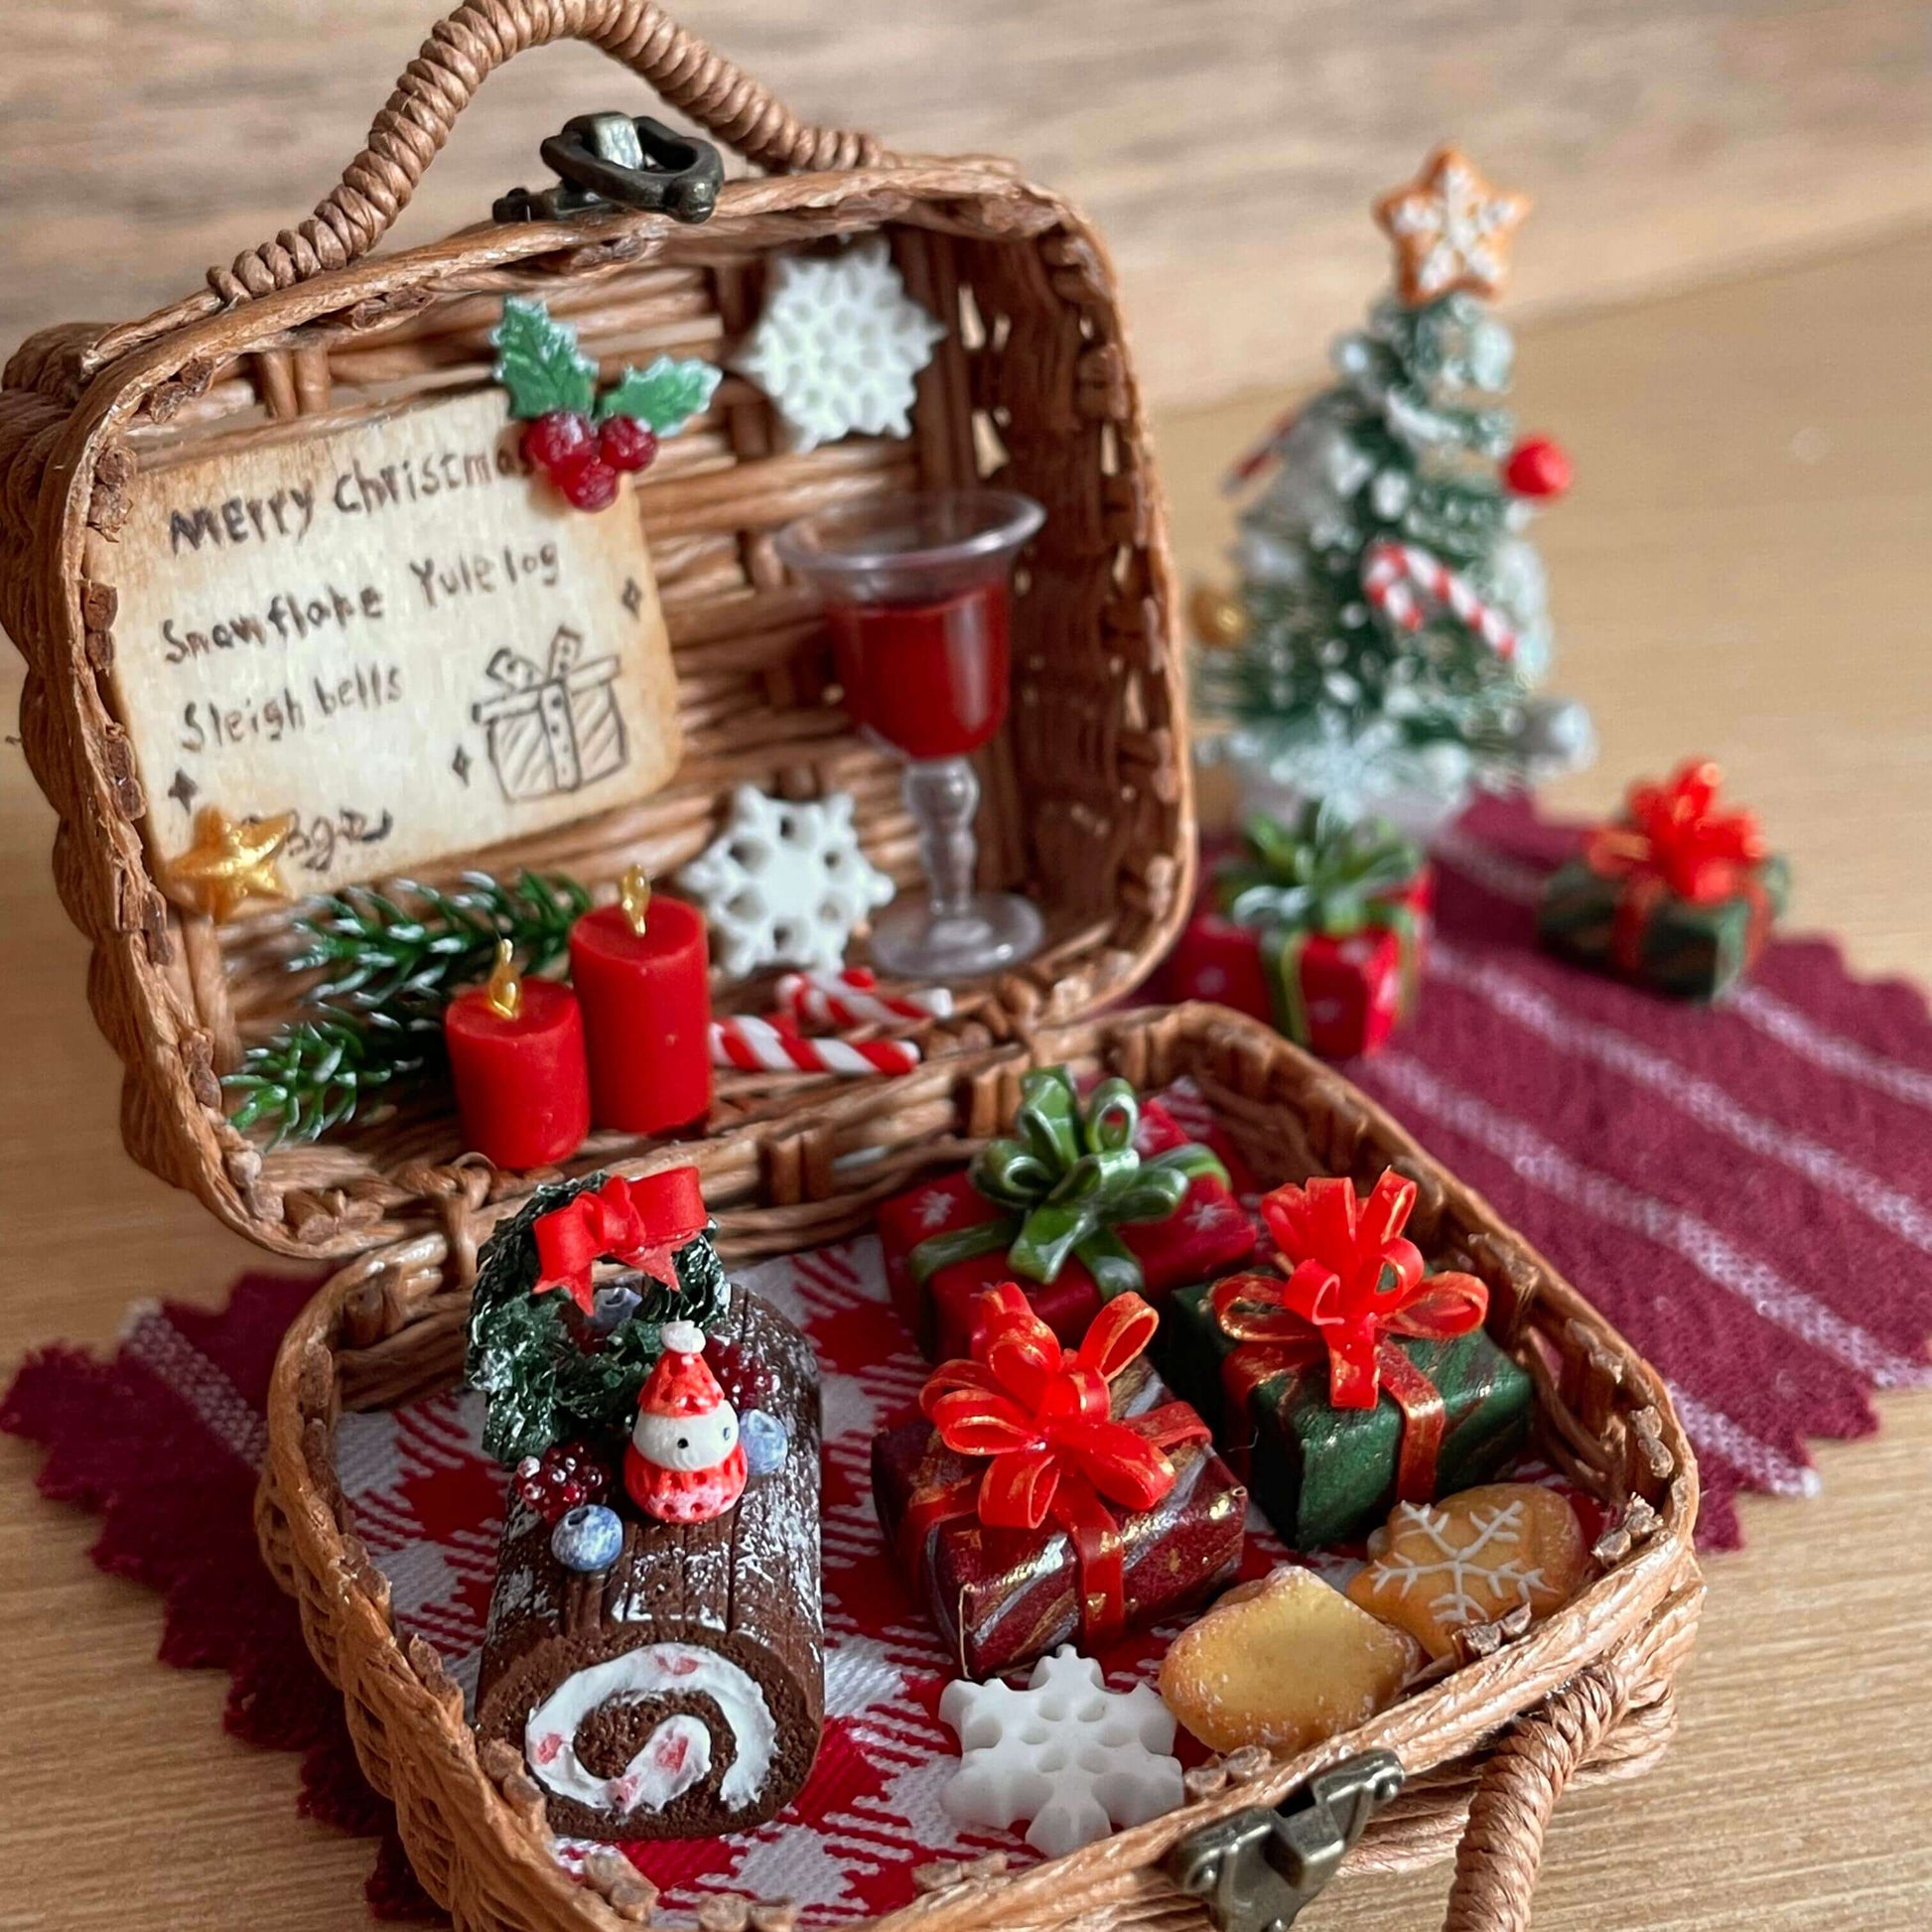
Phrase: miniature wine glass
(916, 591)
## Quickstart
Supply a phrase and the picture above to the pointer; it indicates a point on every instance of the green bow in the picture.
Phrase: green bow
(1068, 1175)
(1325, 876)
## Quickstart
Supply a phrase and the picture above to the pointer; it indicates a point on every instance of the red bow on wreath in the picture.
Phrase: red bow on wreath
(1674, 834)
(1042, 1415)
(641, 1223)
(1349, 1284)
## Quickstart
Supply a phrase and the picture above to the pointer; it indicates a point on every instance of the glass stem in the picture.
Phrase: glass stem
(942, 795)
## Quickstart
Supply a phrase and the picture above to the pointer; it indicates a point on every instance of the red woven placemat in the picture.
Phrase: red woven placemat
(1746, 1192)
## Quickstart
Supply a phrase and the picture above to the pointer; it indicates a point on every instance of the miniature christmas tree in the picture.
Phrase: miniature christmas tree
(1391, 613)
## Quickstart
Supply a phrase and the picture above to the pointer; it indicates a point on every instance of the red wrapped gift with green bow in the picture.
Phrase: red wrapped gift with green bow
(1089, 1197)
(1318, 929)
(1677, 895)
(1052, 1494)
(1348, 1379)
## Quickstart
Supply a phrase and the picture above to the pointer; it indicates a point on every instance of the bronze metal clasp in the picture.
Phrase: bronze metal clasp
(1256, 1870)
(608, 161)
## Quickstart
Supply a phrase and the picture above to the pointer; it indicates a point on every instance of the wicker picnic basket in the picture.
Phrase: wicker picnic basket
(1087, 807)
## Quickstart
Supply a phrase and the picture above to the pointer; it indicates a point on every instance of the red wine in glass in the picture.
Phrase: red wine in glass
(918, 597)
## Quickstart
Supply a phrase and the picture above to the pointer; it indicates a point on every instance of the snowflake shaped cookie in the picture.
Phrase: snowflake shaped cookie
(838, 343)
(1437, 1568)
(1078, 1759)
(785, 884)
(1450, 228)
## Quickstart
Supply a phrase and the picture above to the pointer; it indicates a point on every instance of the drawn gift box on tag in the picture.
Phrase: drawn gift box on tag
(556, 728)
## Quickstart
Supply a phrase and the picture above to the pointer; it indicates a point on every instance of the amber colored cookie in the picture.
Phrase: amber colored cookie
(1471, 1558)
(1284, 1662)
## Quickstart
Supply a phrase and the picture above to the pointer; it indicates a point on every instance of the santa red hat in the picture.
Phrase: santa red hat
(681, 1383)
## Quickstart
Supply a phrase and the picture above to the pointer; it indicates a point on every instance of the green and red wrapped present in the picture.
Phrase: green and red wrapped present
(1348, 1379)
(1051, 1495)
(1676, 896)
(1317, 929)
(1088, 1197)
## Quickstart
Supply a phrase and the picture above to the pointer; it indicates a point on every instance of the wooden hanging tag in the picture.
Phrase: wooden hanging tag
(396, 631)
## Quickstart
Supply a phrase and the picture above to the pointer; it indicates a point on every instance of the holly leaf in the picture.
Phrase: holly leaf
(539, 363)
(665, 396)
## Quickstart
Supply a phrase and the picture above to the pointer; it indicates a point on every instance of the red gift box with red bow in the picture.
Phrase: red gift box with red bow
(1051, 1495)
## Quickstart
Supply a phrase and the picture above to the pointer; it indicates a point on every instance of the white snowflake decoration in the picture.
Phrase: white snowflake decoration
(1078, 1759)
(838, 344)
(1443, 1578)
(785, 884)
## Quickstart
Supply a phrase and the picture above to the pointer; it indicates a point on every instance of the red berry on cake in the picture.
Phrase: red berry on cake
(627, 442)
(559, 440)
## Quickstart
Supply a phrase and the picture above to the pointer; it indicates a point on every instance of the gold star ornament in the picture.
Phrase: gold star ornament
(1450, 228)
(230, 861)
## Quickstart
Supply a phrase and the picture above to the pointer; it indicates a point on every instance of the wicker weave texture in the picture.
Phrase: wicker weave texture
(1488, 1747)
(1088, 800)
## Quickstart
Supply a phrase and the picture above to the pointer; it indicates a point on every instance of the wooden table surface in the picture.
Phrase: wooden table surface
(1740, 572)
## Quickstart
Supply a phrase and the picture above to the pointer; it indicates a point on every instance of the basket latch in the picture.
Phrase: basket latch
(608, 161)
(1257, 1869)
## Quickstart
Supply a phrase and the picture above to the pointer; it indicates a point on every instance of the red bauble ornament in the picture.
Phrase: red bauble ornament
(1538, 466)
(559, 440)
(627, 442)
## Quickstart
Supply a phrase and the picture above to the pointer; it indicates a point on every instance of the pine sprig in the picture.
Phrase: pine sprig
(393, 958)
(310, 1075)
(398, 955)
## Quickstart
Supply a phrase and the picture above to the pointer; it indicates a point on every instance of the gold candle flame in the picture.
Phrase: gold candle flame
(506, 989)
(634, 895)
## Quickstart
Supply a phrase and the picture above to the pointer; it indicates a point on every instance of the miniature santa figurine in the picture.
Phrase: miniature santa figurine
(685, 1462)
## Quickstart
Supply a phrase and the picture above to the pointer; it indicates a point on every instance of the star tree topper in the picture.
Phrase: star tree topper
(230, 861)
(1451, 229)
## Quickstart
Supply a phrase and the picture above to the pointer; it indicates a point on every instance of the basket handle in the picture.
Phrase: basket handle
(462, 51)
(1497, 1860)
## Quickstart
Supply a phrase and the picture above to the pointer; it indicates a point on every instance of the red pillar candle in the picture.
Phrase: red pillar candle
(516, 1058)
(643, 972)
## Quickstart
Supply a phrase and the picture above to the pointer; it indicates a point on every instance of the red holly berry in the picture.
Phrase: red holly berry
(588, 484)
(560, 440)
(564, 1477)
(627, 442)
(1538, 466)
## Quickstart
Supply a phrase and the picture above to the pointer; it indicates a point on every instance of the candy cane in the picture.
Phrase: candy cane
(851, 999)
(763, 1047)
(1405, 583)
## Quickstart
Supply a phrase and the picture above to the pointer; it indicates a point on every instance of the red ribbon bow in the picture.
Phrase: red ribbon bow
(641, 1223)
(1349, 1284)
(1674, 834)
(1042, 1415)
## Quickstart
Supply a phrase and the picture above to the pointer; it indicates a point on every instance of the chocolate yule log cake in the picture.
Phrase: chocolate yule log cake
(678, 1693)
(654, 1646)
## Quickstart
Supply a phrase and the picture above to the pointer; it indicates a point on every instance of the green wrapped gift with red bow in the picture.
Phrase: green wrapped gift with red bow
(1347, 1378)
(1319, 929)
(1091, 1195)
(1676, 896)
(1049, 1494)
